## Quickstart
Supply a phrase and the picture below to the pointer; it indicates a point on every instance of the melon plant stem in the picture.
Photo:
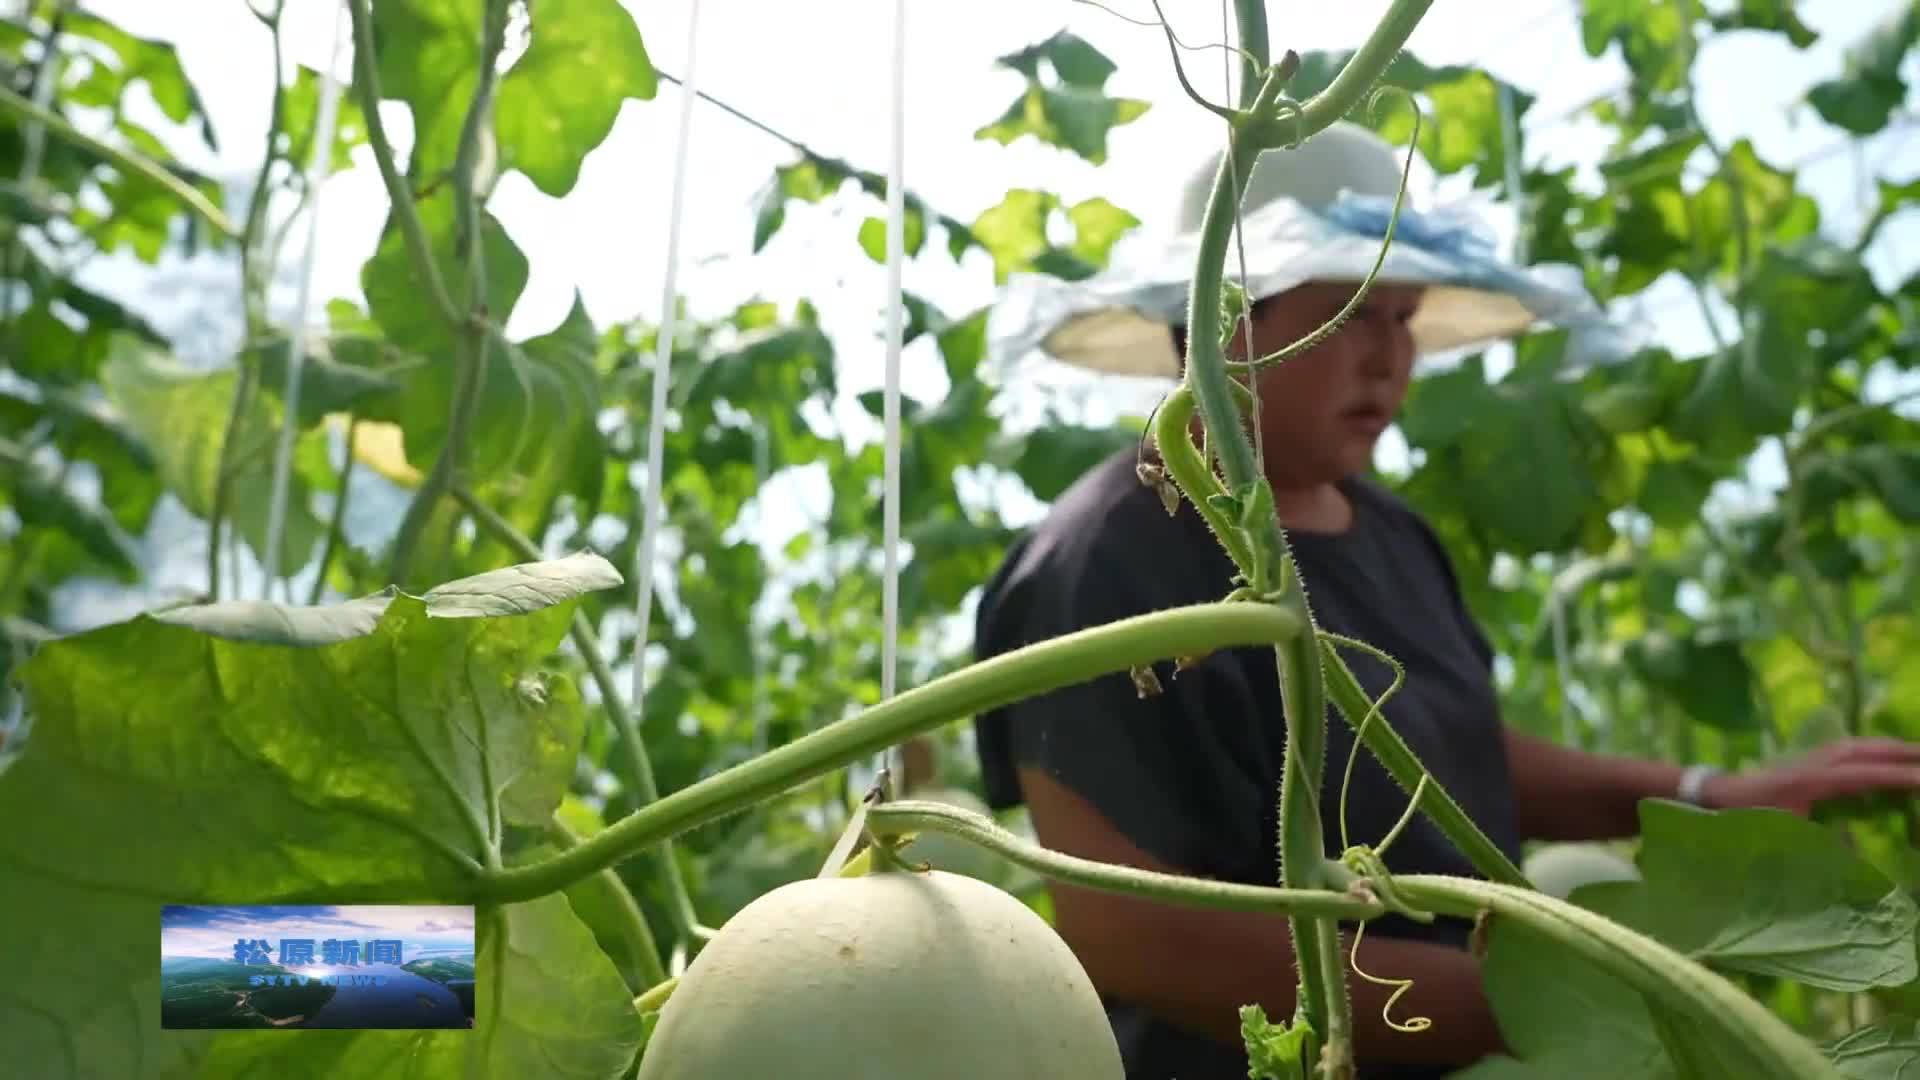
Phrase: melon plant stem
(468, 326)
(912, 815)
(1036, 669)
(1671, 981)
(679, 901)
(1270, 572)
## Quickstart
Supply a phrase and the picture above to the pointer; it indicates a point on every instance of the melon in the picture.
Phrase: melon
(922, 974)
(1558, 869)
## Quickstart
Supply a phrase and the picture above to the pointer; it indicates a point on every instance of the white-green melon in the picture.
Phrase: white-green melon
(1558, 869)
(904, 975)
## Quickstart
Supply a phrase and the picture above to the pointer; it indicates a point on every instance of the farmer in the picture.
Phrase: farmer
(1186, 781)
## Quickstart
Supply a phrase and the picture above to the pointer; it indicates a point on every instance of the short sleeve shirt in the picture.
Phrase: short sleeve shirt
(1192, 774)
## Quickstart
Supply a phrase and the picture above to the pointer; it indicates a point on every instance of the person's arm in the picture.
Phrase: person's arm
(1566, 794)
(1195, 967)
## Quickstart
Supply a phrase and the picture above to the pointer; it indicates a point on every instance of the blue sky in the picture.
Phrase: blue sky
(210, 931)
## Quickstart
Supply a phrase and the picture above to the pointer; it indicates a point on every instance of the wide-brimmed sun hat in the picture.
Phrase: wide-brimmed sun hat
(1316, 212)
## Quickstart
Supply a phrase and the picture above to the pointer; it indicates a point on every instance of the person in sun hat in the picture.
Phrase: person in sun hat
(1187, 780)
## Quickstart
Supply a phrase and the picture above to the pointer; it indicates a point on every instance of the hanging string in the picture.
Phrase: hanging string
(896, 255)
(756, 644)
(654, 495)
(319, 165)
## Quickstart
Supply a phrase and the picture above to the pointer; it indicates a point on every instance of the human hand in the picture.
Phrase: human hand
(1849, 768)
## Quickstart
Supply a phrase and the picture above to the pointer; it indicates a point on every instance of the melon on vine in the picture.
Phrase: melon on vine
(900, 974)
(1558, 869)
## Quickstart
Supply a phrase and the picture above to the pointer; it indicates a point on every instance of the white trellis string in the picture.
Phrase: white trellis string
(756, 651)
(319, 165)
(896, 255)
(662, 371)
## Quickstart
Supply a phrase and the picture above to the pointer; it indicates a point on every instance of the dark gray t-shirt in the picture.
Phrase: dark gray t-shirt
(1192, 775)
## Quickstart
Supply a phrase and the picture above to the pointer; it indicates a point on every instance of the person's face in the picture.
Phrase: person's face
(1322, 411)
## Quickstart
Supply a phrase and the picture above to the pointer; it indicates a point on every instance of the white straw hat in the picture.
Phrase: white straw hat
(1317, 212)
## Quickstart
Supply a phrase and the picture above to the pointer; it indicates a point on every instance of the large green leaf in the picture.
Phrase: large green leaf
(1769, 893)
(561, 97)
(428, 53)
(181, 414)
(1561, 1016)
(288, 757)
(1888, 1050)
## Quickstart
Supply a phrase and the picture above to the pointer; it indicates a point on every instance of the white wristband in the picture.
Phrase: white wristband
(1693, 782)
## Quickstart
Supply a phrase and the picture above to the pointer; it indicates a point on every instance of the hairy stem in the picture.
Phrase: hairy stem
(1672, 982)
(337, 522)
(471, 337)
(253, 300)
(1271, 571)
(1010, 677)
(680, 902)
(914, 815)
(1385, 744)
(366, 71)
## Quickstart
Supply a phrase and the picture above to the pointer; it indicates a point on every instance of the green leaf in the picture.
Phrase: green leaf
(1777, 16)
(392, 283)
(542, 442)
(369, 768)
(41, 501)
(522, 589)
(1461, 124)
(87, 429)
(560, 99)
(429, 56)
(1673, 491)
(1894, 473)
(1863, 97)
(562, 1011)
(1051, 458)
(1887, 1050)
(873, 236)
(1098, 225)
(326, 385)
(1769, 893)
(1798, 292)
(1074, 113)
(1542, 508)
(1561, 1015)
(181, 415)
(1711, 680)
(1014, 231)
(1274, 1051)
